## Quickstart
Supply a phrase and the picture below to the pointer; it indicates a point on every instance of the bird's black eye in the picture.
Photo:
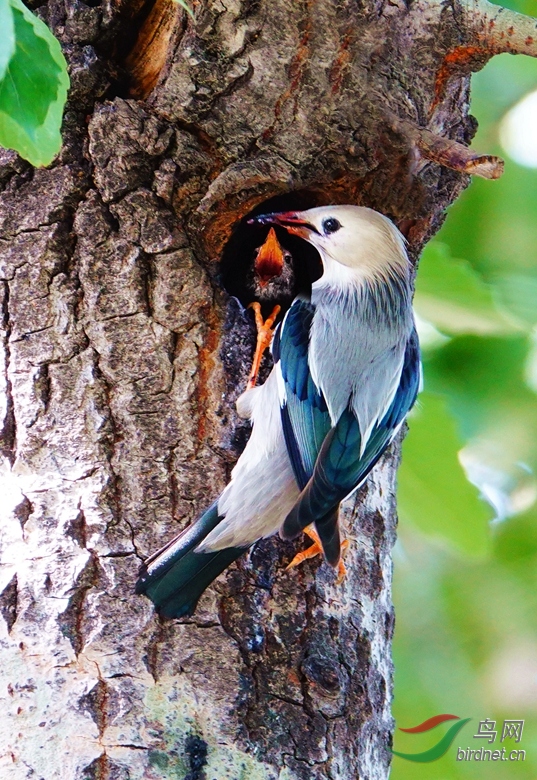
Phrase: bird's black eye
(330, 225)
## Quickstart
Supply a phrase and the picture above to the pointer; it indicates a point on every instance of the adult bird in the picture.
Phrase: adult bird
(346, 372)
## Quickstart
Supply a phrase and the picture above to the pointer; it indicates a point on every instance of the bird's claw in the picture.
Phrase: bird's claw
(316, 549)
(264, 337)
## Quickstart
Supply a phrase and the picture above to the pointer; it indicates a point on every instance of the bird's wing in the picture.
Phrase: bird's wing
(340, 468)
(304, 413)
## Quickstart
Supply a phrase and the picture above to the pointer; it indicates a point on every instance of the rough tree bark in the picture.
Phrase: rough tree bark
(122, 356)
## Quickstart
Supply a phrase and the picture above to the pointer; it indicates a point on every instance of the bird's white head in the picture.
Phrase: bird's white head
(348, 237)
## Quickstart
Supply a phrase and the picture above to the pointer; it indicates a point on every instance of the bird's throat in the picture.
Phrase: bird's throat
(270, 259)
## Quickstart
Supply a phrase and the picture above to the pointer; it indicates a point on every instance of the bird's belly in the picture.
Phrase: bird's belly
(263, 488)
(255, 505)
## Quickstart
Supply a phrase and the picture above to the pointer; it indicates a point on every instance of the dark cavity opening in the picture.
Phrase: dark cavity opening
(237, 273)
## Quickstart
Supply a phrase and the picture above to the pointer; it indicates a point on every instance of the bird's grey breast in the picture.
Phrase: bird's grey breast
(357, 343)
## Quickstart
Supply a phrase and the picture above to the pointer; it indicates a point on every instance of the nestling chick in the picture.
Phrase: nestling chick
(271, 277)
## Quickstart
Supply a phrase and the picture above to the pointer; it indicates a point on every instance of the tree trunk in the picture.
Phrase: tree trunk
(122, 357)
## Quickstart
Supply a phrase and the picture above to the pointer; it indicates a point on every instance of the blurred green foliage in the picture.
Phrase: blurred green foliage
(465, 586)
(434, 493)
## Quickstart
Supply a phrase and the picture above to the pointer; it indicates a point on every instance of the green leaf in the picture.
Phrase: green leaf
(7, 38)
(433, 491)
(33, 90)
(454, 298)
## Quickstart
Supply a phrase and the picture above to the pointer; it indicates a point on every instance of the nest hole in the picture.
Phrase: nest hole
(237, 272)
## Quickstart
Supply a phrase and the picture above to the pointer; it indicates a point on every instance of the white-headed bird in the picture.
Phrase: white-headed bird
(346, 372)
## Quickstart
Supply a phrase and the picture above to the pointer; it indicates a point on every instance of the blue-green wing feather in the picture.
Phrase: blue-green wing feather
(340, 467)
(305, 417)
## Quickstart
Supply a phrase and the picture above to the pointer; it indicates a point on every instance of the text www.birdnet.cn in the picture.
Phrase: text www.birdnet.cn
(487, 731)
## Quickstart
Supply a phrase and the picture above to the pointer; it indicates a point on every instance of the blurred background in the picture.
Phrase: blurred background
(465, 586)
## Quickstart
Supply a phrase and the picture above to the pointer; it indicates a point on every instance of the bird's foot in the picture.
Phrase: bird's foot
(265, 329)
(317, 549)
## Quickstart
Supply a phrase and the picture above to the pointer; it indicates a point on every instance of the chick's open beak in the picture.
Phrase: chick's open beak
(269, 259)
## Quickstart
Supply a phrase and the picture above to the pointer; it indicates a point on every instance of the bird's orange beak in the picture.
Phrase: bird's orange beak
(290, 220)
(269, 260)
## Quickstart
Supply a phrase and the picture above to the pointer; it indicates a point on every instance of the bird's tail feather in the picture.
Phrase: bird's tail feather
(328, 529)
(175, 577)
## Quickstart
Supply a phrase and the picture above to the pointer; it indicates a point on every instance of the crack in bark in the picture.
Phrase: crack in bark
(78, 529)
(8, 433)
(140, 557)
(72, 620)
(23, 511)
(151, 656)
(9, 599)
(206, 354)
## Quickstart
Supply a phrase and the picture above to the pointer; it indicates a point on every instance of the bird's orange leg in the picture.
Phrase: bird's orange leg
(317, 549)
(264, 337)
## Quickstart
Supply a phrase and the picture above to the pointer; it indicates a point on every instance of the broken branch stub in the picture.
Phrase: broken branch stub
(498, 30)
(454, 155)
(449, 153)
(487, 29)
